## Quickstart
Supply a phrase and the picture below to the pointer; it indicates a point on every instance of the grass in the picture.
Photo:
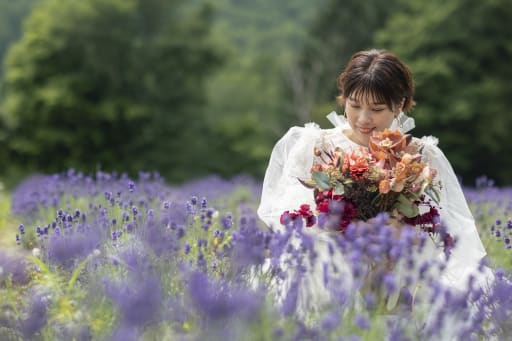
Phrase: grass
(8, 223)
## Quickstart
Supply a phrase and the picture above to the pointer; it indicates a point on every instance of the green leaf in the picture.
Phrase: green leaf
(43, 268)
(339, 189)
(406, 207)
(434, 194)
(76, 273)
(307, 183)
(322, 180)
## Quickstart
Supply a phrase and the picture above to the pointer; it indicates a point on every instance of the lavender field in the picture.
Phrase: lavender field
(107, 257)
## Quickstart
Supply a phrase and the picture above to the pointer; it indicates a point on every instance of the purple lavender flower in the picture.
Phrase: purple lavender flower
(220, 300)
(227, 221)
(138, 299)
(325, 273)
(396, 333)
(131, 186)
(36, 315)
(389, 283)
(66, 249)
(362, 322)
(125, 332)
(249, 244)
(370, 300)
(331, 320)
(289, 305)
(159, 239)
(13, 267)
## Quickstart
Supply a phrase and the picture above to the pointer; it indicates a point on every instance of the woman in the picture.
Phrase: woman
(375, 89)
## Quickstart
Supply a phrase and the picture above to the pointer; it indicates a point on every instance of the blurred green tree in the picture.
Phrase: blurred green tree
(460, 53)
(247, 104)
(110, 84)
(340, 29)
(11, 17)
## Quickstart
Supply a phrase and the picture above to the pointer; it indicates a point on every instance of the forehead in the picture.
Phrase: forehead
(367, 97)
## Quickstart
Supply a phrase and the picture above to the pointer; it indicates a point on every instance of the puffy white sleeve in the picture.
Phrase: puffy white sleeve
(456, 215)
(291, 159)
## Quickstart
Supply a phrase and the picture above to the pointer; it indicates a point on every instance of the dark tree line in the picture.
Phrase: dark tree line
(189, 88)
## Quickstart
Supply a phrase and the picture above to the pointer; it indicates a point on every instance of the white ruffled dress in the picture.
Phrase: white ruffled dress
(292, 158)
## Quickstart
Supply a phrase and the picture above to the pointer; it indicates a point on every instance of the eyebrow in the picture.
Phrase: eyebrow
(357, 101)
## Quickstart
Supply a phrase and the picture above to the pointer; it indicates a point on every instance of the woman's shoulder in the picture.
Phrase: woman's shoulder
(430, 140)
(429, 146)
(427, 142)
(310, 131)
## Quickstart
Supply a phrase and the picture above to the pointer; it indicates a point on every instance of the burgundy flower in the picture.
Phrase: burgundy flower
(323, 206)
(304, 213)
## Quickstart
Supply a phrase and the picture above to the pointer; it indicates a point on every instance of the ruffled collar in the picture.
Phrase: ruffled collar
(403, 124)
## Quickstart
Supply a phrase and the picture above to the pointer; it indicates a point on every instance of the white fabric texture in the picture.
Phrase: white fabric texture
(292, 158)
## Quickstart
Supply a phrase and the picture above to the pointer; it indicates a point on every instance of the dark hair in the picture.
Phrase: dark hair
(378, 74)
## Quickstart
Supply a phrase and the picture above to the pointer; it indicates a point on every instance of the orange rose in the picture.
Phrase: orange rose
(357, 164)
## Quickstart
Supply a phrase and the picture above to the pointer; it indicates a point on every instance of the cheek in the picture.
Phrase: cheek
(351, 117)
(385, 121)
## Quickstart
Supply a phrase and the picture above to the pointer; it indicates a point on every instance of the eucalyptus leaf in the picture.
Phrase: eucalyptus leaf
(433, 194)
(307, 183)
(339, 189)
(406, 207)
(322, 180)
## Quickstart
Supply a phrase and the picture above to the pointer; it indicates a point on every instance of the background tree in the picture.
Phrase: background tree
(339, 30)
(179, 87)
(115, 84)
(11, 16)
(460, 53)
(247, 103)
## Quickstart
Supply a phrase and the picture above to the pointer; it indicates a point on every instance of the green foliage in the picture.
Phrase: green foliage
(247, 106)
(340, 29)
(109, 84)
(11, 16)
(460, 52)
(490, 207)
(7, 222)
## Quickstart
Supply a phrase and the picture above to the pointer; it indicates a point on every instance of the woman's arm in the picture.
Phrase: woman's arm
(291, 159)
(456, 217)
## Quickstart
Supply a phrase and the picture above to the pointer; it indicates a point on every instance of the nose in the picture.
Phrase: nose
(365, 117)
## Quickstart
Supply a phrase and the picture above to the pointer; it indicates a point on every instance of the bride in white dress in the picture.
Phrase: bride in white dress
(376, 88)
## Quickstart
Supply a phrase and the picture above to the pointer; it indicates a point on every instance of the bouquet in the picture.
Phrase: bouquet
(388, 176)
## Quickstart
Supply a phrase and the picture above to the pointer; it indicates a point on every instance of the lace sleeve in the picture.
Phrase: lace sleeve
(456, 216)
(291, 159)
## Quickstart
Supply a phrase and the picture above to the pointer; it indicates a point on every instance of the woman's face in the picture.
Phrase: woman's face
(365, 116)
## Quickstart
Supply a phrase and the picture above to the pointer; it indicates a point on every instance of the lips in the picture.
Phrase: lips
(365, 131)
